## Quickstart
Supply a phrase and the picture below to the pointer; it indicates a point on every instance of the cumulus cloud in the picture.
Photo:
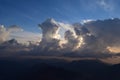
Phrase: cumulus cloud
(91, 38)
(53, 39)
(49, 29)
(73, 41)
(26, 37)
(50, 36)
(16, 32)
(5, 32)
(106, 31)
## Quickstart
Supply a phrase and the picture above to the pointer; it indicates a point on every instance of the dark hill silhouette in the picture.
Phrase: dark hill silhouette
(36, 69)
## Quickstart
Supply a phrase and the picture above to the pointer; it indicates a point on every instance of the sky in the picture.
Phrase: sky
(55, 25)
(29, 13)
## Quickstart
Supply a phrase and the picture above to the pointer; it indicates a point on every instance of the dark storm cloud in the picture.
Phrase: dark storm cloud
(107, 31)
(80, 30)
(91, 42)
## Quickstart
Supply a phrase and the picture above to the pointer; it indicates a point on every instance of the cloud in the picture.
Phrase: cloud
(5, 32)
(86, 21)
(114, 49)
(50, 36)
(73, 41)
(89, 41)
(49, 29)
(26, 37)
(52, 39)
(7, 45)
(14, 28)
(106, 4)
(93, 38)
(107, 32)
(13, 40)
(16, 32)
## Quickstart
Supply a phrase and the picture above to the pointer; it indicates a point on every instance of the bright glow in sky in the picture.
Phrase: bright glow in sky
(114, 49)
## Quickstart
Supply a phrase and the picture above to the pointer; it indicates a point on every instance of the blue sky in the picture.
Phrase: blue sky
(29, 13)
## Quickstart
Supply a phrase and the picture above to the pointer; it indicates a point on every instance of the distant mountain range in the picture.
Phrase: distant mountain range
(53, 69)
